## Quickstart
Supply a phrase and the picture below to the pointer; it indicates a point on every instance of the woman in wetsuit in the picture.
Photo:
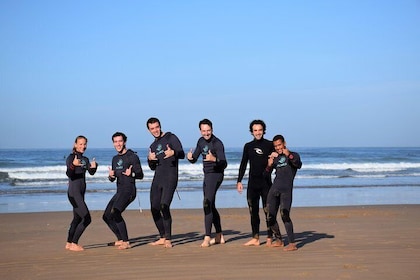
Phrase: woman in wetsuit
(77, 165)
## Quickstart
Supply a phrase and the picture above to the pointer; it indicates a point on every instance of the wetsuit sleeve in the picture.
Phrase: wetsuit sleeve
(295, 160)
(112, 179)
(196, 153)
(221, 162)
(152, 163)
(137, 169)
(70, 172)
(177, 147)
(269, 169)
(244, 162)
(91, 170)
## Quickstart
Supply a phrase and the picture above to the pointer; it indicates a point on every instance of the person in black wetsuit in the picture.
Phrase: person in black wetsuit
(77, 165)
(214, 163)
(286, 164)
(164, 154)
(126, 168)
(256, 152)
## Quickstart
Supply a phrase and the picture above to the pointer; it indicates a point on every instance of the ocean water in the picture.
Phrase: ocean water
(34, 180)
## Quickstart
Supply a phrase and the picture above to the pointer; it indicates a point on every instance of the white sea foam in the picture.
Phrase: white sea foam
(48, 174)
(363, 167)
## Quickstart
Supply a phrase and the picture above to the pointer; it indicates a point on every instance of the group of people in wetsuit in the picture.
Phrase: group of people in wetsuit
(166, 150)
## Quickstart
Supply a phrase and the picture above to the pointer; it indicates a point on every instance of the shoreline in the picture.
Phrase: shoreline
(335, 242)
(226, 198)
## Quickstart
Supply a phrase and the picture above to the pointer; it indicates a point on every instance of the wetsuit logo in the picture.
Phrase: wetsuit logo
(119, 164)
(282, 161)
(258, 151)
(159, 149)
(83, 163)
(205, 150)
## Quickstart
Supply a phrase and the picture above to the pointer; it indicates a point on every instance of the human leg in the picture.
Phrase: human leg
(120, 204)
(167, 196)
(107, 217)
(285, 206)
(155, 198)
(253, 199)
(216, 221)
(81, 219)
(73, 225)
(209, 191)
(113, 218)
(264, 195)
(83, 213)
(216, 216)
(273, 203)
(212, 183)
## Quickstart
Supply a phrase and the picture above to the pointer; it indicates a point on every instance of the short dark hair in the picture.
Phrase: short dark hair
(152, 120)
(205, 121)
(254, 122)
(278, 137)
(116, 134)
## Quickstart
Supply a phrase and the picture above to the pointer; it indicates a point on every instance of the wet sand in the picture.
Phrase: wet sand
(362, 242)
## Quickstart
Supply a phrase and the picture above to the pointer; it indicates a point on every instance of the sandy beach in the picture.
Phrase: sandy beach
(363, 242)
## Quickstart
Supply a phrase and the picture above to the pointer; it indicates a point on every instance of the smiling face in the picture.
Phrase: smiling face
(119, 144)
(206, 131)
(257, 131)
(80, 145)
(279, 145)
(154, 129)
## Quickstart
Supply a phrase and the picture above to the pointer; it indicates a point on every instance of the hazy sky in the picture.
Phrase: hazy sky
(322, 73)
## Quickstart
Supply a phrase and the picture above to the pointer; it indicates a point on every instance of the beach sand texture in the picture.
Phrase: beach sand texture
(363, 242)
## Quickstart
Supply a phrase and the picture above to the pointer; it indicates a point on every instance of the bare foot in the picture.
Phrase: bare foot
(160, 241)
(168, 244)
(206, 241)
(75, 247)
(68, 244)
(118, 243)
(124, 245)
(269, 242)
(253, 242)
(219, 239)
(290, 247)
(277, 243)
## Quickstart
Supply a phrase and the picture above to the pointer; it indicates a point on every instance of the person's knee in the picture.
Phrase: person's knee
(155, 212)
(265, 209)
(87, 220)
(253, 207)
(166, 213)
(106, 217)
(72, 201)
(207, 206)
(116, 215)
(271, 219)
(285, 215)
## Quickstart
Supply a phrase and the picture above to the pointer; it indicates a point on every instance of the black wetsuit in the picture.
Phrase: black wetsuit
(126, 192)
(280, 194)
(259, 182)
(76, 195)
(213, 178)
(164, 181)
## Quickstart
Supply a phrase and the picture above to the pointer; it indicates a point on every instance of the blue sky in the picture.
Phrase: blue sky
(322, 73)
